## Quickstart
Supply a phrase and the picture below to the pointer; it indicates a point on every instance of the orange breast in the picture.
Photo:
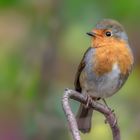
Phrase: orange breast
(115, 51)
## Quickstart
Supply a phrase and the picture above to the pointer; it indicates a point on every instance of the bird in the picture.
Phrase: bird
(104, 68)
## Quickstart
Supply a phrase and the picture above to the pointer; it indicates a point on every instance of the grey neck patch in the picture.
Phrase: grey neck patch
(122, 35)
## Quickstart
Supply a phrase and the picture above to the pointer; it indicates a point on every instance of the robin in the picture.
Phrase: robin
(105, 67)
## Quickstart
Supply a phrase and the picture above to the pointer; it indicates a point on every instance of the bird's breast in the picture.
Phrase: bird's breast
(105, 58)
(106, 70)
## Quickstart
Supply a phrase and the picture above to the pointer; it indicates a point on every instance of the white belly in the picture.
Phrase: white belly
(102, 86)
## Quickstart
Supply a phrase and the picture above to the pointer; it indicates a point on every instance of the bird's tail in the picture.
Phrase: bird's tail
(83, 118)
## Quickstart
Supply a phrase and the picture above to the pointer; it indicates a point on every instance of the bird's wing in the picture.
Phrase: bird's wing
(80, 68)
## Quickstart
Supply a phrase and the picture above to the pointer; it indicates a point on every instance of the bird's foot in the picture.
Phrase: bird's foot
(88, 100)
(109, 116)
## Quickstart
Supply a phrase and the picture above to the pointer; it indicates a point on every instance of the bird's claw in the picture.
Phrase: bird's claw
(88, 101)
(109, 115)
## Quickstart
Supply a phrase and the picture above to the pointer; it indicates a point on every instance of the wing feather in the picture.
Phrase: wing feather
(80, 69)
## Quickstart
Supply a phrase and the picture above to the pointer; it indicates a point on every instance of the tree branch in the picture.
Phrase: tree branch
(107, 112)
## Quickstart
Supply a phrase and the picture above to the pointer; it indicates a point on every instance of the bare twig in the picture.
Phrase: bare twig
(107, 112)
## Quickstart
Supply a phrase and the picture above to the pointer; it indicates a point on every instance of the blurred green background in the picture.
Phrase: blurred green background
(41, 45)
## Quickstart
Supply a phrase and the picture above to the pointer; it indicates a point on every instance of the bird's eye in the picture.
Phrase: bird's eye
(108, 33)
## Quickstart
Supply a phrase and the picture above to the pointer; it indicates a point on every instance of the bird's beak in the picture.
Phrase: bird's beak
(93, 34)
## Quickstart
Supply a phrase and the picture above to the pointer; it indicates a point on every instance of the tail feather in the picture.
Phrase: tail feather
(84, 118)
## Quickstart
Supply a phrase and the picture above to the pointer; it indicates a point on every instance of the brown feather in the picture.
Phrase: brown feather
(84, 114)
(77, 76)
(84, 118)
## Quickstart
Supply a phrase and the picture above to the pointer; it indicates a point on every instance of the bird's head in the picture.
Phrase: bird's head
(107, 32)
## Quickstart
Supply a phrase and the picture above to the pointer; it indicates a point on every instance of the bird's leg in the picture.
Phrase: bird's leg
(106, 104)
